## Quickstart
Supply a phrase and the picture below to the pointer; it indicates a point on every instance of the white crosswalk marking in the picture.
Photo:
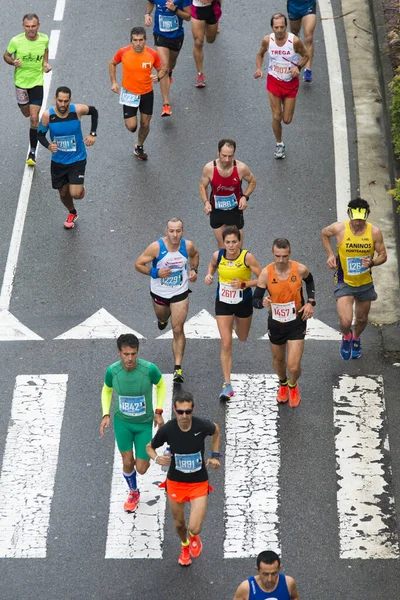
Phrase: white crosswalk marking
(365, 496)
(252, 467)
(141, 534)
(30, 464)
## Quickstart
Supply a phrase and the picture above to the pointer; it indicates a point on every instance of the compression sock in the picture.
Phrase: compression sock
(185, 543)
(177, 367)
(33, 138)
(292, 385)
(131, 480)
(283, 381)
(347, 337)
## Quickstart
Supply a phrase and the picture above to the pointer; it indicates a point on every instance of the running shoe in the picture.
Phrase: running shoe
(162, 324)
(345, 347)
(184, 558)
(140, 153)
(283, 394)
(178, 376)
(200, 80)
(294, 396)
(195, 546)
(132, 501)
(356, 350)
(70, 221)
(226, 392)
(166, 110)
(280, 150)
(31, 160)
(307, 77)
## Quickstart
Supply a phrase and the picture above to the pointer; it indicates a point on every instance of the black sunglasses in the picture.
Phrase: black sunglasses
(179, 411)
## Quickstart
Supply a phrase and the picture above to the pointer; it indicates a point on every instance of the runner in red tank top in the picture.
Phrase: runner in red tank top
(227, 200)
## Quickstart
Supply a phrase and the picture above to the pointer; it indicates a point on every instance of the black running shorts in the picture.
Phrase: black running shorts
(72, 174)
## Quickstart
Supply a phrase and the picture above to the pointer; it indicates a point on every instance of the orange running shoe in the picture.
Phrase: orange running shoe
(132, 501)
(294, 396)
(184, 558)
(166, 110)
(70, 221)
(195, 545)
(283, 394)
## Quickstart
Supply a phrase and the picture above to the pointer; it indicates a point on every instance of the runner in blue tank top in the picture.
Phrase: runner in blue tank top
(68, 161)
(269, 583)
(303, 13)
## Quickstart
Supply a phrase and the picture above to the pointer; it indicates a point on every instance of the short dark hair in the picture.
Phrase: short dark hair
(127, 339)
(138, 31)
(281, 243)
(227, 142)
(183, 396)
(63, 89)
(231, 230)
(359, 203)
(278, 16)
(30, 16)
(268, 557)
(175, 220)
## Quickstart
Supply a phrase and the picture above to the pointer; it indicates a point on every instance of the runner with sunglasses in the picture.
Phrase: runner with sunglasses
(187, 477)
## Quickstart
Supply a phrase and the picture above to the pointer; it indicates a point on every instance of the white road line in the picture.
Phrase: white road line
(99, 326)
(30, 463)
(141, 534)
(59, 10)
(252, 461)
(367, 518)
(339, 121)
(53, 44)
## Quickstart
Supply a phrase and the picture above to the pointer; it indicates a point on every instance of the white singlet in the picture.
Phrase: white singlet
(282, 58)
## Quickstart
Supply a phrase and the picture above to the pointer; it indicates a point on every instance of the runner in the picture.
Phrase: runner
(28, 53)
(283, 75)
(136, 92)
(205, 17)
(234, 301)
(356, 242)
(303, 13)
(169, 283)
(168, 38)
(187, 477)
(268, 581)
(132, 379)
(288, 312)
(227, 200)
(68, 161)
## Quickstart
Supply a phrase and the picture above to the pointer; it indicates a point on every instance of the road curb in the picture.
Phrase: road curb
(390, 333)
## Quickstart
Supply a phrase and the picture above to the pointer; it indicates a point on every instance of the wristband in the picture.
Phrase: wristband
(195, 269)
(299, 67)
(372, 264)
(215, 455)
(159, 411)
(106, 415)
(176, 10)
(154, 272)
(246, 196)
(242, 285)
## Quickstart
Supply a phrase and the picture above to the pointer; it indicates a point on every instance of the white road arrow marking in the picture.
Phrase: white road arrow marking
(202, 326)
(317, 330)
(101, 325)
(11, 329)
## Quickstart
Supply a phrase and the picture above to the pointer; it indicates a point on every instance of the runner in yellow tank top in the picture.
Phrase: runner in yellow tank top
(357, 241)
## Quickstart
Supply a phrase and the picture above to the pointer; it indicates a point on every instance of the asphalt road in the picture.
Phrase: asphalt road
(63, 277)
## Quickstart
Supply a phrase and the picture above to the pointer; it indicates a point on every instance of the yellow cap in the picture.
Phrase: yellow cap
(358, 213)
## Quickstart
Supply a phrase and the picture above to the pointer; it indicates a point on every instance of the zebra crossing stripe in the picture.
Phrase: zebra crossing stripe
(252, 462)
(140, 534)
(367, 519)
(30, 464)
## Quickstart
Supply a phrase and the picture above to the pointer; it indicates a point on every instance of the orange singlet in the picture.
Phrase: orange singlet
(287, 290)
(136, 68)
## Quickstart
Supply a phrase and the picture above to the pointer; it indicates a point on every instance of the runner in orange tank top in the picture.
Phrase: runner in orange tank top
(288, 313)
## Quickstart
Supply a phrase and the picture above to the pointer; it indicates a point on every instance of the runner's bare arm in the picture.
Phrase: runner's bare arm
(204, 183)
(46, 66)
(194, 260)
(112, 71)
(291, 584)
(262, 284)
(183, 13)
(379, 247)
(214, 462)
(243, 591)
(146, 257)
(335, 229)
(10, 60)
(212, 267)
(255, 267)
(300, 49)
(260, 57)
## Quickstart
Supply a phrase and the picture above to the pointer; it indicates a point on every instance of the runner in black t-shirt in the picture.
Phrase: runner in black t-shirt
(187, 477)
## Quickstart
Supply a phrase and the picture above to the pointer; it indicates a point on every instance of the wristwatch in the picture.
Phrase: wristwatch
(246, 196)
(312, 302)
(93, 134)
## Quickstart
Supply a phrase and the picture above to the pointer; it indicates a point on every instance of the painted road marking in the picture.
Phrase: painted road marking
(365, 498)
(59, 10)
(317, 330)
(141, 534)
(101, 325)
(339, 120)
(202, 326)
(53, 45)
(252, 460)
(30, 464)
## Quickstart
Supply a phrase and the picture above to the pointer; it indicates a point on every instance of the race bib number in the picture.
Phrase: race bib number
(173, 280)
(284, 313)
(229, 295)
(282, 70)
(65, 143)
(132, 406)
(355, 267)
(225, 202)
(22, 96)
(168, 23)
(188, 463)
(128, 98)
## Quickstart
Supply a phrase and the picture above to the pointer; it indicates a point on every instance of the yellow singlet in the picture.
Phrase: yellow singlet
(350, 251)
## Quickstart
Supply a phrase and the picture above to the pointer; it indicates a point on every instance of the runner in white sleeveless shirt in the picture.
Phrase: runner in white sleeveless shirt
(169, 283)
(287, 56)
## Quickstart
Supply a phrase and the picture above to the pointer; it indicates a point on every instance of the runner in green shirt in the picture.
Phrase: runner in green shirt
(132, 379)
(28, 53)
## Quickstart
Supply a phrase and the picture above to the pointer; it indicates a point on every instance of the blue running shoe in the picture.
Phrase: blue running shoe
(356, 350)
(307, 77)
(227, 392)
(345, 347)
